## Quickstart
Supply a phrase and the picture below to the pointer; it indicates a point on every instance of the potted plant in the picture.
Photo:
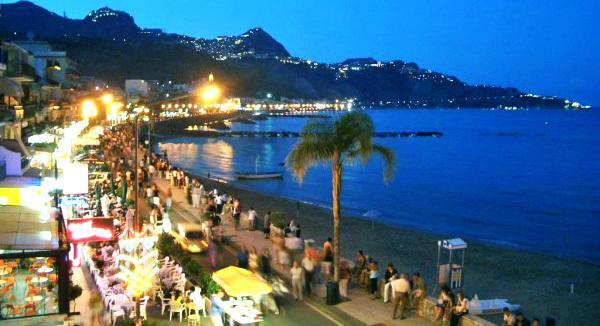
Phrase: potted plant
(74, 293)
(277, 223)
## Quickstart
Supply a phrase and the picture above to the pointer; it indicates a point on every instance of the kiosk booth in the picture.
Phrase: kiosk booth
(450, 270)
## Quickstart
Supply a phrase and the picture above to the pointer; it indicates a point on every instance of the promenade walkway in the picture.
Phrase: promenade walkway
(360, 306)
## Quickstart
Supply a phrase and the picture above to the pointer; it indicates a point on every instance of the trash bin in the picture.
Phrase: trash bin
(333, 293)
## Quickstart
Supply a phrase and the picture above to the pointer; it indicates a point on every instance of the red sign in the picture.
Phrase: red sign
(90, 229)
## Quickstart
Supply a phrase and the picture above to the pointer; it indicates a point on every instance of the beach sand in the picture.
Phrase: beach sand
(540, 283)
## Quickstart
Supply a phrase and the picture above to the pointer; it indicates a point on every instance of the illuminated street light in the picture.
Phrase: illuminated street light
(88, 109)
(107, 99)
(210, 93)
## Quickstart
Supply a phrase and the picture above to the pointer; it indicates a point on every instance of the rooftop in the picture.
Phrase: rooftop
(27, 229)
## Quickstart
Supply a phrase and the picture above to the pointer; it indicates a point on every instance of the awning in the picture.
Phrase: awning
(239, 282)
(9, 87)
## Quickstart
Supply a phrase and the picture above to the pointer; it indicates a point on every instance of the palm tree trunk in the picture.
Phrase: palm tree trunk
(336, 190)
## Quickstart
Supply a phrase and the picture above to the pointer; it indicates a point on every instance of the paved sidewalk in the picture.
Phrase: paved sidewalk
(360, 306)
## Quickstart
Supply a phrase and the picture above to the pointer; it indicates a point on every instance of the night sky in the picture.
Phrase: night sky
(549, 47)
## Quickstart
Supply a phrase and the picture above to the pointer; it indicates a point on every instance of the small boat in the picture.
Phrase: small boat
(258, 176)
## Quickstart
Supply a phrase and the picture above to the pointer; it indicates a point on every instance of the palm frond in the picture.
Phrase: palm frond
(307, 153)
(389, 160)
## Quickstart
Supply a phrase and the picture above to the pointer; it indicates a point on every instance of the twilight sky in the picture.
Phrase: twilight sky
(541, 46)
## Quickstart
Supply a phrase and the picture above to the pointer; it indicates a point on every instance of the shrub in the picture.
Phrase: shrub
(278, 219)
(208, 285)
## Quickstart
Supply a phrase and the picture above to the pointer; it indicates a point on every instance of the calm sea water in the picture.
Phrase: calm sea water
(523, 179)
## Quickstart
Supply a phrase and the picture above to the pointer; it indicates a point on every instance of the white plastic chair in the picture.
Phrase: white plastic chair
(177, 308)
(164, 302)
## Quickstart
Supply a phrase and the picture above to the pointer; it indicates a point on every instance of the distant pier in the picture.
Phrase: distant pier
(293, 134)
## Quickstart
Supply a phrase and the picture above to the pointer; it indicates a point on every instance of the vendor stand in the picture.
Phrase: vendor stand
(244, 290)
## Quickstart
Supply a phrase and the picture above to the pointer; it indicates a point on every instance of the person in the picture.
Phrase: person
(508, 319)
(345, 273)
(297, 274)
(401, 287)
(461, 308)
(212, 253)
(418, 290)
(169, 199)
(535, 322)
(251, 219)
(360, 264)
(96, 308)
(520, 320)
(328, 250)
(267, 225)
(196, 194)
(444, 304)
(298, 232)
(373, 279)
(265, 262)
(253, 262)
(196, 296)
(388, 277)
(242, 258)
(236, 214)
(308, 265)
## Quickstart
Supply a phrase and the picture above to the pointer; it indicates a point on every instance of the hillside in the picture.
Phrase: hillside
(109, 45)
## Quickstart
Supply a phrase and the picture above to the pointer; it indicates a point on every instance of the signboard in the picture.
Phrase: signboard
(90, 229)
(75, 179)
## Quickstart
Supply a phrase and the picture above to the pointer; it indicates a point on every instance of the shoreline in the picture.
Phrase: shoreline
(537, 281)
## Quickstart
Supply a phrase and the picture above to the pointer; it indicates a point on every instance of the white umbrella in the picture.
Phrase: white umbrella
(372, 214)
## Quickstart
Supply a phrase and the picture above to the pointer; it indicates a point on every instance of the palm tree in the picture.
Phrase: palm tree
(347, 139)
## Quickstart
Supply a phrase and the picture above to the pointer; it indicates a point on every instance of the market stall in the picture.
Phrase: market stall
(244, 290)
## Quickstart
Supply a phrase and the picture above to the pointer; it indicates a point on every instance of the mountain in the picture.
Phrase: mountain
(109, 45)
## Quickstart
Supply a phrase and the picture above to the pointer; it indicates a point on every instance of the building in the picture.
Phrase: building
(136, 88)
(51, 66)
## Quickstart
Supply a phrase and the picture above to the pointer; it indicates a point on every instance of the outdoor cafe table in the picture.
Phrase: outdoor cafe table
(35, 298)
(4, 271)
(238, 312)
(45, 269)
(2, 283)
(39, 280)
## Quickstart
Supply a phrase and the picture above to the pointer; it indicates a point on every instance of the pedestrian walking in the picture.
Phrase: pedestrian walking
(308, 265)
(297, 281)
(401, 289)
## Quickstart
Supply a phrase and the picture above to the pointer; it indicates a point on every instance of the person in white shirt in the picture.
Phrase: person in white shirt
(196, 298)
(297, 276)
(251, 219)
(401, 288)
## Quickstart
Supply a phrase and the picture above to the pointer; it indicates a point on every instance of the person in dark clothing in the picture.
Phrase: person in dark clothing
(242, 258)
(520, 320)
(298, 231)
(265, 263)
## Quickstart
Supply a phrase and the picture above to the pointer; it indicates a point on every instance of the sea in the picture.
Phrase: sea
(525, 179)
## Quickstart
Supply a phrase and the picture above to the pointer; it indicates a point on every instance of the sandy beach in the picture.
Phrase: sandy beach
(540, 283)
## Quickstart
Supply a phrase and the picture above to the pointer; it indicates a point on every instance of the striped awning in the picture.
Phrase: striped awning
(9, 87)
